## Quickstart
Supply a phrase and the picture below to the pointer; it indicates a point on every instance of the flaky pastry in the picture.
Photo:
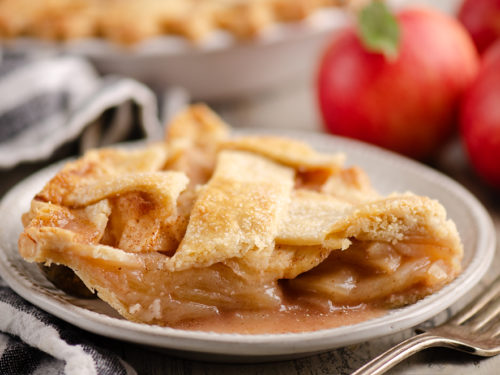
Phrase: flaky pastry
(204, 225)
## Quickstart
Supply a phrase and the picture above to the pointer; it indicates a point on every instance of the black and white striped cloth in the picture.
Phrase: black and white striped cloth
(45, 103)
(34, 342)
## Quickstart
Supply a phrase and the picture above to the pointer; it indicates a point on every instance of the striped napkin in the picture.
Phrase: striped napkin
(34, 342)
(44, 104)
(48, 102)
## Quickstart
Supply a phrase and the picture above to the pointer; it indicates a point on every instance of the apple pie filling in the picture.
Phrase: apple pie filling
(251, 234)
(378, 273)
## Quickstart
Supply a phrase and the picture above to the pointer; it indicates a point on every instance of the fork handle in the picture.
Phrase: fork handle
(400, 352)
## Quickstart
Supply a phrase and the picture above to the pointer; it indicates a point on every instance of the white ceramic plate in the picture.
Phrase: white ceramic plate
(220, 67)
(388, 171)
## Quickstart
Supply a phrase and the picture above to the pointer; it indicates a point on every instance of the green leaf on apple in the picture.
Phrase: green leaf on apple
(379, 29)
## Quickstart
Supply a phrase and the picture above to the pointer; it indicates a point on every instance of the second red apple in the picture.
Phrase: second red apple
(481, 18)
(480, 118)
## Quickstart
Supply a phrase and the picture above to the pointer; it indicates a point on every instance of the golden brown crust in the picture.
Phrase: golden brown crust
(236, 212)
(288, 152)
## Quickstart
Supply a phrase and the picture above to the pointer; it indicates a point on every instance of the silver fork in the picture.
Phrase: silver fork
(475, 330)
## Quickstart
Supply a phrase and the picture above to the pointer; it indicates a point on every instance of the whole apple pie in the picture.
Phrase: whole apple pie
(205, 229)
(131, 21)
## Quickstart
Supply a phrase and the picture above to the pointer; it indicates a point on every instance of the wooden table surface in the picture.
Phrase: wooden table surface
(296, 110)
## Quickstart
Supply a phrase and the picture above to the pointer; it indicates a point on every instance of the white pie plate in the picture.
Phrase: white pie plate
(217, 68)
(389, 172)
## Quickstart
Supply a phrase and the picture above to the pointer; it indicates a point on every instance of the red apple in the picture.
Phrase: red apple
(482, 19)
(480, 118)
(407, 103)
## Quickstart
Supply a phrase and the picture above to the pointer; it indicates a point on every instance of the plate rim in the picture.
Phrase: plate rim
(264, 345)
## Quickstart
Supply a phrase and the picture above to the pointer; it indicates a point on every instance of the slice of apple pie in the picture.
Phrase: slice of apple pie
(204, 227)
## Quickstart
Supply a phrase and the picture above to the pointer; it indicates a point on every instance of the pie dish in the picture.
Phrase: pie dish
(387, 171)
(212, 233)
(216, 66)
(131, 21)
